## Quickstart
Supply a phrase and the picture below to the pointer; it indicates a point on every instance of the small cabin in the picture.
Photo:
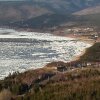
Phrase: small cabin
(94, 36)
(93, 64)
(61, 68)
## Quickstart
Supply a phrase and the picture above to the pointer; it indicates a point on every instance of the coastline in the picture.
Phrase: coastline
(76, 56)
(84, 40)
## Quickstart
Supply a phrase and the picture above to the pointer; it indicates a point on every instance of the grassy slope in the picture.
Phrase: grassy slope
(92, 54)
(76, 85)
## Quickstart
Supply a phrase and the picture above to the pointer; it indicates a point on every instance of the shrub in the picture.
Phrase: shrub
(5, 95)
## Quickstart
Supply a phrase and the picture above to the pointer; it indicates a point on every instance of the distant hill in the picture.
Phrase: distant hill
(44, 21)
(25, 10)
(88, 11)
(16, 11)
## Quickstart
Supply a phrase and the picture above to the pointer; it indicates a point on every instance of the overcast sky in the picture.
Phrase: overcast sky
(13, 0)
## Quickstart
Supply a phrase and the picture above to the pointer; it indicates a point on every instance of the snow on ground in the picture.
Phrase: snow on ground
(18, 54)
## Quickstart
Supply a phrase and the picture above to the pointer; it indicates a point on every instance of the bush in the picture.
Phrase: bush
(5, 95)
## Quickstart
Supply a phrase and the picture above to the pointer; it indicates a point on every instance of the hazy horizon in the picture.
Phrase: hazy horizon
(14, 0)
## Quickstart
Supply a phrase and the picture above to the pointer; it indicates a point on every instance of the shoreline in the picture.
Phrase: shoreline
(78, 38)
(81, 39)
(76, 57)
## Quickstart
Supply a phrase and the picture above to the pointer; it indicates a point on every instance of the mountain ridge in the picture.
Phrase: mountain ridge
(15, 11)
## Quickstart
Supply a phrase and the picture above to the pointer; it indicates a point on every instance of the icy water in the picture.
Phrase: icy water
(21, 51)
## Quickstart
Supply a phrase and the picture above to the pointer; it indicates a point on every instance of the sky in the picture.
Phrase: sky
(13, 0)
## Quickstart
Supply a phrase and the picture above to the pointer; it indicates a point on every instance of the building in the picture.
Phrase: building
(61, 68)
